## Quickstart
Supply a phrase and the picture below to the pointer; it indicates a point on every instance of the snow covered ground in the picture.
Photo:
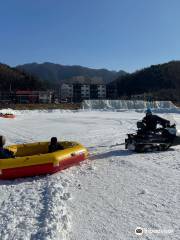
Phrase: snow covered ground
(105, 198)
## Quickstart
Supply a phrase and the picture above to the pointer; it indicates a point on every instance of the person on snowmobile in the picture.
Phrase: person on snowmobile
(4, 153)
(151, 121)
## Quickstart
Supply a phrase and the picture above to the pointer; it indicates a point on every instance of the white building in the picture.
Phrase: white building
(45, 96)
(78, 91)
(85, 91)
(101, 91)
(66, 92)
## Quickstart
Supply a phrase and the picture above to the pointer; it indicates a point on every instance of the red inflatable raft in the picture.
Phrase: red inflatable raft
(33, 159)
(7, 115)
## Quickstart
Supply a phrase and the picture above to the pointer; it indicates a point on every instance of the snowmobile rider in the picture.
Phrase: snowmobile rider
(151, 121)
(54, 145)
(4, 153)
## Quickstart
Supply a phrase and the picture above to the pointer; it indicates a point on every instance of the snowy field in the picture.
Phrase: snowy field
(106, 197)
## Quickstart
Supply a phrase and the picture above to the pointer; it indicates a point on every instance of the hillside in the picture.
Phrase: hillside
(14, 79)
(55, 73)
(161, 81)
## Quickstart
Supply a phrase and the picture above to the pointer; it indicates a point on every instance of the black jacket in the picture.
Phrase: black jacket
(55, 147)
(5, 153)
(151, 122)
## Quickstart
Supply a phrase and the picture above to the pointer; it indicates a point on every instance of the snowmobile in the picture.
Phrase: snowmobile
(147, 141)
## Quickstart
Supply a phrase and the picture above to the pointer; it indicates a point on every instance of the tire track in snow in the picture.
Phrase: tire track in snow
(34, 208)
(53, 218)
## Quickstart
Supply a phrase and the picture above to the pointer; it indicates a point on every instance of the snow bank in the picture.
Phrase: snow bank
(126, 104)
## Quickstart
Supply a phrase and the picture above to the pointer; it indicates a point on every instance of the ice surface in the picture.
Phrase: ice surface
(104, 198)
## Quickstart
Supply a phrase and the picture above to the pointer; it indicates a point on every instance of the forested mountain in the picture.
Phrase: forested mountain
(14, 79)
(55, 73)
(161, 81)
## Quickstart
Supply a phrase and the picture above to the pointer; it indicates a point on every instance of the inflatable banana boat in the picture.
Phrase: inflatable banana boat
(7, 115)
(33, 159)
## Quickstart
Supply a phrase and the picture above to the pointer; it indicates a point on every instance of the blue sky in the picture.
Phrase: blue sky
(113, 34)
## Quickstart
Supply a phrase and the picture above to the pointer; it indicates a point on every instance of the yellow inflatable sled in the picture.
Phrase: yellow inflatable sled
(33, 159)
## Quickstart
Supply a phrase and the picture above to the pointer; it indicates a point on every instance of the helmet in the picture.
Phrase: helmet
(2, 141)
(148, 111)
(54, 140)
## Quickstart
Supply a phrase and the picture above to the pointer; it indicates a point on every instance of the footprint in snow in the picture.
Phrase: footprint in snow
(64, 184)
(90, 168)
(65, 196)
(65, 222)
(143, 191)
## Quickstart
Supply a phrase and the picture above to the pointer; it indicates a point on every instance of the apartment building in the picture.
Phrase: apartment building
(66, 92)
(101, 91)
(77, 92)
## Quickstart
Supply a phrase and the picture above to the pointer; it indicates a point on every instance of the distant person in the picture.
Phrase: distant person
(151, 121)
(54, 145)
(4, 153)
